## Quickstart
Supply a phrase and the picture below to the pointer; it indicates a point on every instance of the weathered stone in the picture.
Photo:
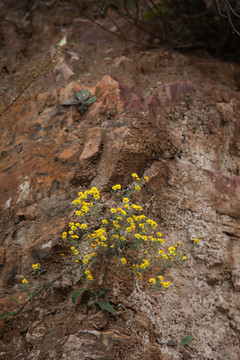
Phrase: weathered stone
(174, 91)
(92, 147)
(189, 149)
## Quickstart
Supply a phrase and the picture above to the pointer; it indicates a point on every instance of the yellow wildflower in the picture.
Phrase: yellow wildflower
(74, 236)
(134, 175)
(123, 261)
(146, 262)
(89, 277)
(116, 187)
(76, 201)
(196, 240)
(36, 266)
(64, 235)
(138, 236)
(85, 261)
(137, 187)
(24, 281)
(125, 200)
(152, 281)
(166, 284)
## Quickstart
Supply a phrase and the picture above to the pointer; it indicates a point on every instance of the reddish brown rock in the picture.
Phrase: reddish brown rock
(188, 147)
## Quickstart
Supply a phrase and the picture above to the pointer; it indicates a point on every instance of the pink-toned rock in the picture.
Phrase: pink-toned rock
(174, 91)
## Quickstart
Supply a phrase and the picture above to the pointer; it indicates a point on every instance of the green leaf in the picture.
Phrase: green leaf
(186, 340)
(71, 102)
(75, 295)
(63, 41)
(6, 316)
(90, 101)
(104, 305)
(14, 300)
(82, 95)
(103, 291)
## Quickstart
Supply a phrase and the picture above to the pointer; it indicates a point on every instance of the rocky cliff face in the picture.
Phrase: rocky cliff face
(185, 136)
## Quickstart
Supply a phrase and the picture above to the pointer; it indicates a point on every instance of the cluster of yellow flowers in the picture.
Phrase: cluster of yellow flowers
(123, 227)
(165, 284)
(82, 196)
(106, 232)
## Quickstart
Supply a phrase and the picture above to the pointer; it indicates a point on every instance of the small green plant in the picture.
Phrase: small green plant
(104, 305)
(82, 99)
(117, 237)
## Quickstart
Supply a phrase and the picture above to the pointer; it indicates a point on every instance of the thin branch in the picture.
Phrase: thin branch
(219, 10)
(227, 4)
(233, 27)
(33, 79)
(45, 286)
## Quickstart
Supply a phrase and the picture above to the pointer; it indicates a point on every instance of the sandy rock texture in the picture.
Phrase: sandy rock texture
(162, 116)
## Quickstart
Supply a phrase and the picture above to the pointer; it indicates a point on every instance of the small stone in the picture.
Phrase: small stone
(171, 343)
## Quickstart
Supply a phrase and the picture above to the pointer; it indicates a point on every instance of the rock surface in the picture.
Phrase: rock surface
(184, 135)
